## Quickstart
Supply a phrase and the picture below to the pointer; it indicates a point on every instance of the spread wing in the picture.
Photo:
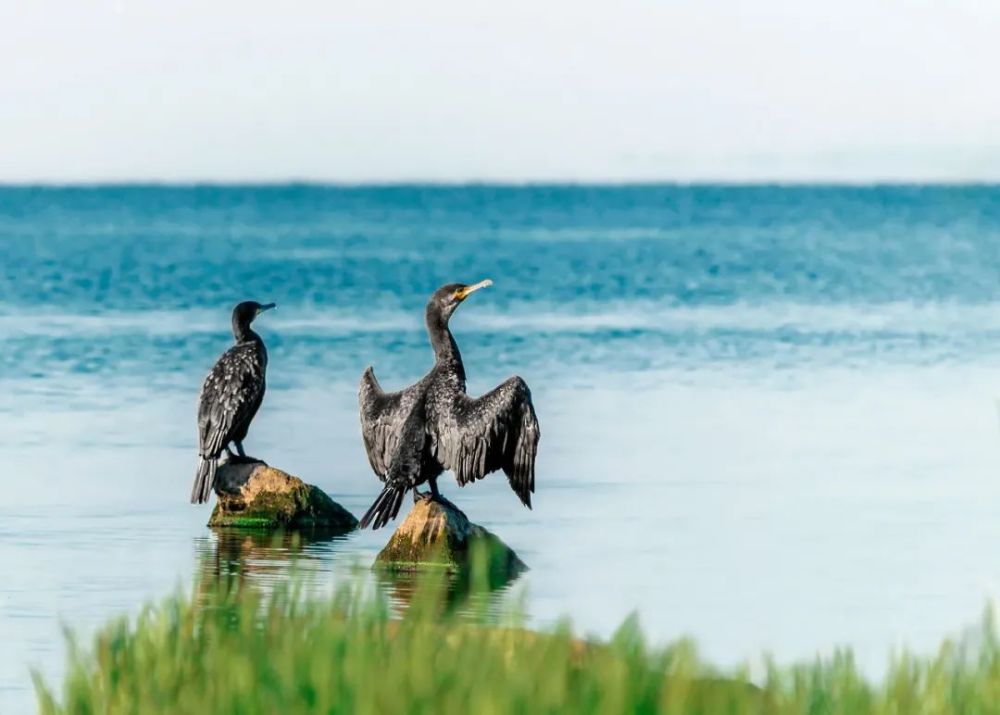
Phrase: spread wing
(230, 397)
(383, 416)
(496, 431)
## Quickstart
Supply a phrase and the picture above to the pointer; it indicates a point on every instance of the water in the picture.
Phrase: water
(768, 413)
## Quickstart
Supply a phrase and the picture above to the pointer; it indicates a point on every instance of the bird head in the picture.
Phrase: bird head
(448, 297)
(245, 312)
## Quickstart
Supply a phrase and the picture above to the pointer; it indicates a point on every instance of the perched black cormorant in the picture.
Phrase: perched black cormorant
(230, 398)
(413, 435)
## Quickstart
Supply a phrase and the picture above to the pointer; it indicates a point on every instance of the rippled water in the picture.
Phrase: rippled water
(768, 413)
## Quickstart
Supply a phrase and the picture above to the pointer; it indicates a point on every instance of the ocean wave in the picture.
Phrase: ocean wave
(899, 317)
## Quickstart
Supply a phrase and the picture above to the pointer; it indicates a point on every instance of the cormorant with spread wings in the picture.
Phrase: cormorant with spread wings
(230, 398)
(413, 435)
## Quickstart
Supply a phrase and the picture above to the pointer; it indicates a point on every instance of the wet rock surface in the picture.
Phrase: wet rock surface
(438, 534)
(252, 494)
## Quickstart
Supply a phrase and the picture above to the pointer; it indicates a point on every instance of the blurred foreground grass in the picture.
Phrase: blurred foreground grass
(237, 650)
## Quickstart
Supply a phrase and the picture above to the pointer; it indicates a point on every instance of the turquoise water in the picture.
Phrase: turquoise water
(768, 413)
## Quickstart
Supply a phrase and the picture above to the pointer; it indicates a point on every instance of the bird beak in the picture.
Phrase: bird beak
(463, 293)
(266, 306)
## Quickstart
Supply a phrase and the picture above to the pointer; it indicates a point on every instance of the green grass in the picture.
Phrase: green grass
(227, 651)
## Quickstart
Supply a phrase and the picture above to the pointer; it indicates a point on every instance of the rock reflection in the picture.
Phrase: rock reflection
(237, 558)
(486, 596)
(234, 560)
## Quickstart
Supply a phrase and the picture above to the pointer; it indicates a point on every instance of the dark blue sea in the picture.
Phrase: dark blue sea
(768, 413)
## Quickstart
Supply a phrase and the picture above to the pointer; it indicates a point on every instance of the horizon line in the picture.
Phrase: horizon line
(499, 183)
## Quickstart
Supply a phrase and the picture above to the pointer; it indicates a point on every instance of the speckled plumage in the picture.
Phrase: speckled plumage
(230, 397)
(413, 435)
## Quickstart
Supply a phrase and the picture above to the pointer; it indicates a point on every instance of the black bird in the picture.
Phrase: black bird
(230, 397)
(413, 435)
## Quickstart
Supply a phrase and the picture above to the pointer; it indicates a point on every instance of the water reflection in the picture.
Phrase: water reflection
(319, 561)
(487, 595)
(237, 558)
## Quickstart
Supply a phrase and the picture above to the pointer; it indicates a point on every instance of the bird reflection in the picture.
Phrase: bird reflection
(231, 561)
(235, 558)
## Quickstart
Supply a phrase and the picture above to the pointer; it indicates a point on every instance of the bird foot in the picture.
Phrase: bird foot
(244, 459)
(430, 496)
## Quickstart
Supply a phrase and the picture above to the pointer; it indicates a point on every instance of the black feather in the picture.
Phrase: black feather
(411, 436)
(230, 397)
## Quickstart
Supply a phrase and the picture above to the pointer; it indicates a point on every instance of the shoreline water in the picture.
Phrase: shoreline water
(792, 391)
(334, 654)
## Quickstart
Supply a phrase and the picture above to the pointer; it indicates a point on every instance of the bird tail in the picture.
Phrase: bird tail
(204, 480)
(386, 506)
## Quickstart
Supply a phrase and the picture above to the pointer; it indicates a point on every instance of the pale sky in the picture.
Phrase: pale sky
(512, 90)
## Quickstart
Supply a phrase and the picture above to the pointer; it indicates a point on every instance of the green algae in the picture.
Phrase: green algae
(437, 535)
(268, 498)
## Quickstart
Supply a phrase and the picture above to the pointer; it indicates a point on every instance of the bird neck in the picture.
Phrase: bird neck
(242, 332)
(445, 347)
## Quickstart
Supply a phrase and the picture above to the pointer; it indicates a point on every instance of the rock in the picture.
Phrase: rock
(252, 494)
(437, 534)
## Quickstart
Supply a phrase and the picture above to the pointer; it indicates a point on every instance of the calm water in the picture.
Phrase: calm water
(768, 413)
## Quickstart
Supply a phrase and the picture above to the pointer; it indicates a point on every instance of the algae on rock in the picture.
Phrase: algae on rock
(252, 494)
(437, 534)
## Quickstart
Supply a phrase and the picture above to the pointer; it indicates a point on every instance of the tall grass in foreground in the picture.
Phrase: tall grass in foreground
(243, 652)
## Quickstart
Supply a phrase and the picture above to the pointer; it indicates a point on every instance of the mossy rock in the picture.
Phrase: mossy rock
(254, 495)
(436, 534)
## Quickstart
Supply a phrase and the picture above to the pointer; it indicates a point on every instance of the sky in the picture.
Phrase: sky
(520, 90)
